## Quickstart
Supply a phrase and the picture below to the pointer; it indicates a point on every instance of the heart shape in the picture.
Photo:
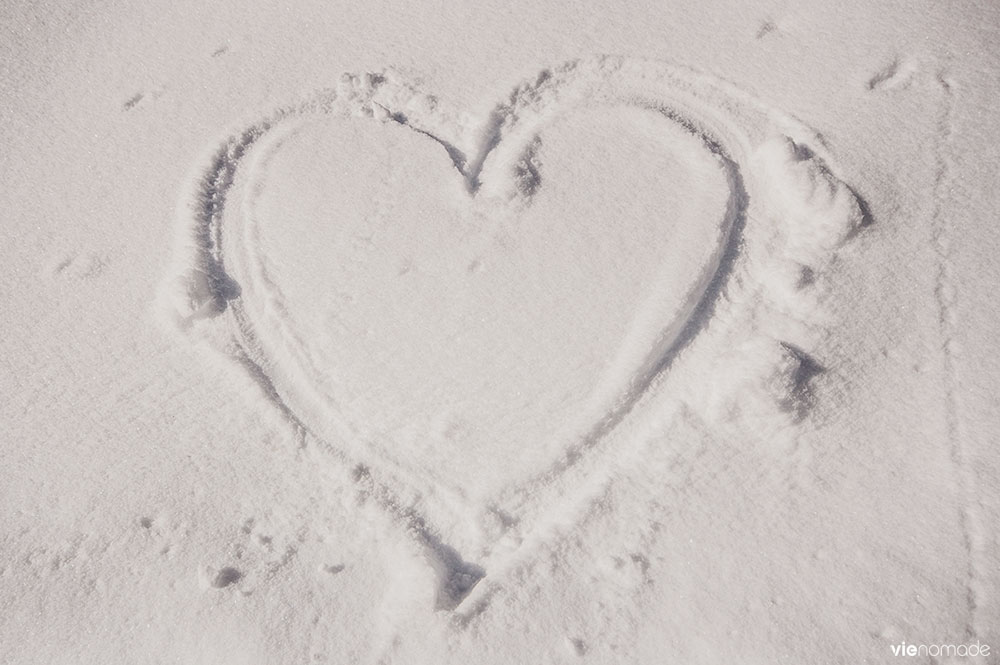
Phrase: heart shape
(461, 342)
(454, 331)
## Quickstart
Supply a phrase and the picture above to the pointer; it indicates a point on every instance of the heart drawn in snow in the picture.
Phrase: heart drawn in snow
(462, 310)
(472, 337)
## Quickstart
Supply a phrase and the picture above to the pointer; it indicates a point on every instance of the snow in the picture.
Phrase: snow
(423, 333)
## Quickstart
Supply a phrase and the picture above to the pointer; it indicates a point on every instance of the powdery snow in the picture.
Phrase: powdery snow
(346, 334)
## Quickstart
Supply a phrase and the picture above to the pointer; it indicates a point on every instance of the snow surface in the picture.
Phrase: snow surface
(421, 333)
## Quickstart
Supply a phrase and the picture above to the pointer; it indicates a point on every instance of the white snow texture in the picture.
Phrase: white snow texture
(422, 334)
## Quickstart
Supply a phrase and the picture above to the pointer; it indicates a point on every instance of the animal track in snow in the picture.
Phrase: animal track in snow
(223, 577)
(294, 229)
(133, 101)
(142, 97)
(896, 75)
(85, 265)
(766, 28)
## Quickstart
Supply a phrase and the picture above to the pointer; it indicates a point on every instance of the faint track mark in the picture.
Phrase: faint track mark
(133, 101)
(946, 297)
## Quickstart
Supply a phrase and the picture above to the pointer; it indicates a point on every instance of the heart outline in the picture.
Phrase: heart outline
(201, 288)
